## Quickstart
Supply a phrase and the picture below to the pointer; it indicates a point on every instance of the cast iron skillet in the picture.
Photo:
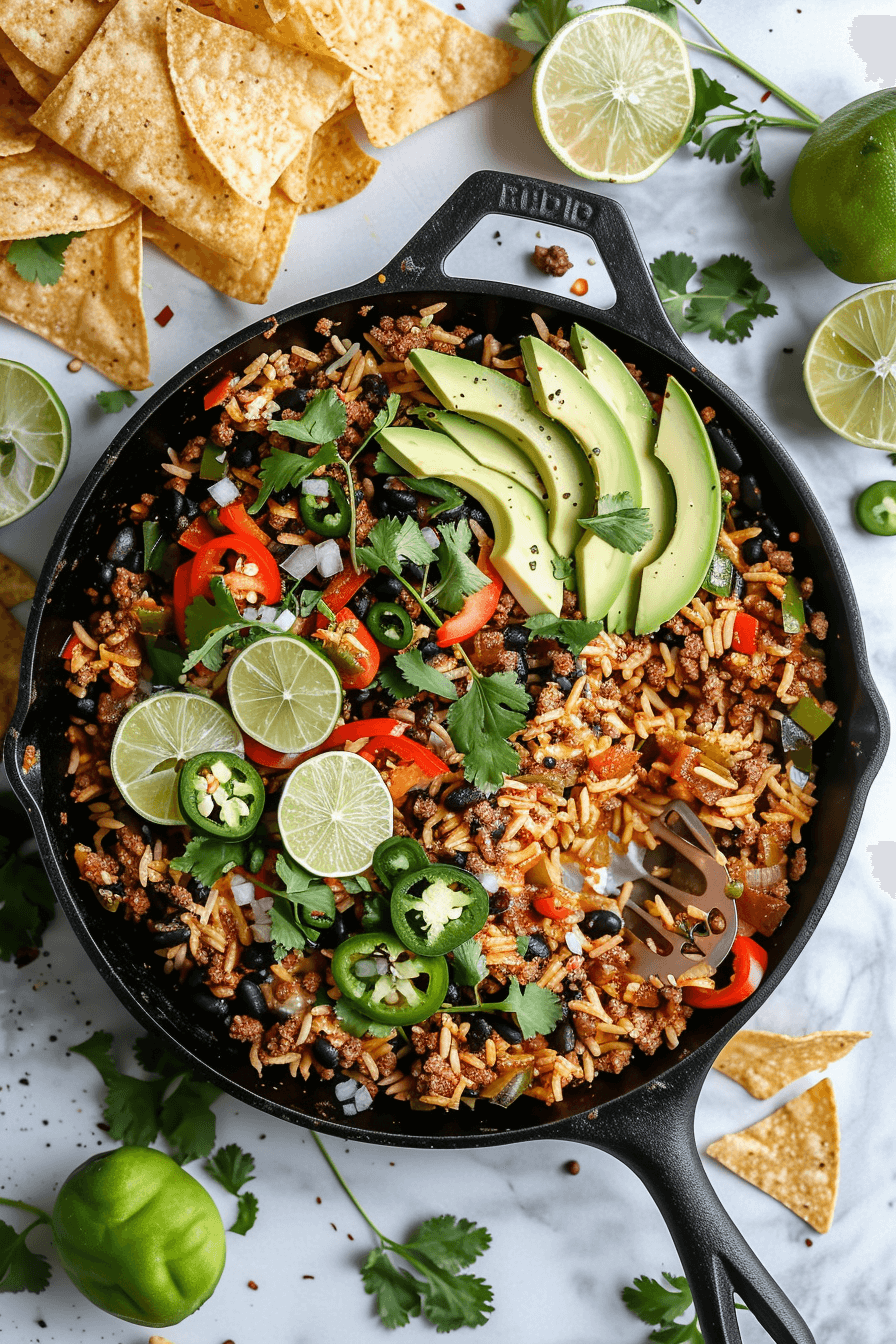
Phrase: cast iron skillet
(644, 1116)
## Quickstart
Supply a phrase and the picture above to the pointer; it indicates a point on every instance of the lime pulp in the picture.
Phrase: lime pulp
(284, 693)
(35, 438)
(334, 811)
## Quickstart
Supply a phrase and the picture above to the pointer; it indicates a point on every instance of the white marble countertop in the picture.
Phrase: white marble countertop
(588, 1234)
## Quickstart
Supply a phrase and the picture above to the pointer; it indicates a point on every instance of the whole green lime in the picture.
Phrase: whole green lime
(843, 190)
(139, 1236)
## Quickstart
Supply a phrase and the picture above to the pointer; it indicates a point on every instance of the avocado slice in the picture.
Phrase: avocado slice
(683, 445)
(563, 391)
(486, 446)
(606, 371)
(492, 399)
(523, 556)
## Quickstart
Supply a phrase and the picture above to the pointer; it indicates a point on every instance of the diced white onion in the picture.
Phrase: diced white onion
(347, 1088)
(250, 613)
(362, 1099)
(261, 933)
(341, 362)
(300, 562)
(286, 620)
(264, 903)
(490, 881)
(329, 559)
(574, 945)
(242, 891)
(224, 492)
(316, 485)
(349, 1108)
(267, 614)
(430, 537)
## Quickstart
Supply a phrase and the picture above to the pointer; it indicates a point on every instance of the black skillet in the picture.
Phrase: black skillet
(645, 1116)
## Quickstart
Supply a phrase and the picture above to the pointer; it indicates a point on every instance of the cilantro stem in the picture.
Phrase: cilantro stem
(338, 1174)
(725, 53)
(733, 113)
(41, 1217)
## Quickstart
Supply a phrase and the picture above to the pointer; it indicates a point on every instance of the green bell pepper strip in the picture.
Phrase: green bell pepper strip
(810, 716)
(390, 625)
(232, 809)
(328, 517)
(396, 857)
(876, 509)
(792, 607)
(214, 463)
(437, 909)
(384, 981)
(720, 575)
(139, 1236)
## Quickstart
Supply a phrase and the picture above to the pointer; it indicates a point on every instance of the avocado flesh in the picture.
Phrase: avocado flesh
(562, 391)
(683, 445)
(522, 555)
(606, 372)
(486, 446)
(490, 398)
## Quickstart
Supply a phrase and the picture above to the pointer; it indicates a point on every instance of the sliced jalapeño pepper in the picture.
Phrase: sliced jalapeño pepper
(396, 857)
(220, 794)
(386, 982)
(438, 908)
(390, 625)
(327, 515)
(876, 508)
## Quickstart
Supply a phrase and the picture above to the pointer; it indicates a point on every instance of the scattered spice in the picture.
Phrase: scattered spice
(165, 316)
(579, 287)
(573, 1168)
(253, 1285)
(74, 366)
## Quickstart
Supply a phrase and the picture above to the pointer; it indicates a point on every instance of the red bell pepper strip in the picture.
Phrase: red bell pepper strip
(182, 576)
(197, 534)
(369, 659)
(407, 750)
(274, 760)
(551, 908)
(341, 589)
(750, 962)
(69, 647)
(746, 628)
(267, 582)
(215, 395)
(351, 732)
(236, 519)
(613, 763)
(477, 608)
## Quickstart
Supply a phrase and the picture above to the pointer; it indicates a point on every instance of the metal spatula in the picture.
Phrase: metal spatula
(692, 875)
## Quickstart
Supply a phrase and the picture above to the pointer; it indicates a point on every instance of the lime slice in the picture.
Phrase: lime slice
(35, 436)
(153, 741)
(284, 693)
(850, 368)
(334, 811)
(613, 94)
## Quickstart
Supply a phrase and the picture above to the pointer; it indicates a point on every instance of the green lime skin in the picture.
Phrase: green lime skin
(139, 1236)
(876, 509)
(843, 190)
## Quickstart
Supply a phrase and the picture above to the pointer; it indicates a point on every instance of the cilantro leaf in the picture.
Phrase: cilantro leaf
(727, 282)
(304, 891)
(209, 858)
(574, 635)
(451, 1301)
(753, 170)
(398, 1294)
(384, 466)
(111, 402)
(187, 1120)
(419, 676)
(561, 565)
(355, 1023)
(27, 903)
(21, 1270)
(619, 523)
(708, 95)
(40, 259)
(132, 1104)
(285, 932)
(202, 617)
(283, 469)
(522, 945)
(153, 1056)
(470, 967)
(325, 419)
(246, 1214)
(391, 542)
(654, 1303)
(481, 721)
(460, 576)
(451, 1243)
(663, 9)
(393, 683)
(231, 1167)
(538, 20)
(536, 1009)
(448, 495)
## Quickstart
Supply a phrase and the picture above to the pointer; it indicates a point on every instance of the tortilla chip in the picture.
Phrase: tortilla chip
(116, 109)
(250, 103)
(763, 1061)
(293, 30)
(12, 642)
(17, 135)
(426, 63)
(47, 191)
(339, 168)
(16, 584)
(33, 80)
(52, 33)
(293, 181)
(793, 1155)
(93, 311)
(252, 283)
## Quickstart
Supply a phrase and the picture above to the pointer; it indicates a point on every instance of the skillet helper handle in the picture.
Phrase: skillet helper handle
(420, 264)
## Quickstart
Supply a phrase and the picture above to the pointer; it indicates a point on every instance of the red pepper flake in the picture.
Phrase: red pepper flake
(573, 1168)
(765, 97)
(165, 316)
(460, 6)
(579, 287)
(253, 1285)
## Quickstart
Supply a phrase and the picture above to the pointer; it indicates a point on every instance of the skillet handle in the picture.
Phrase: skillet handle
(655, 1138)
(638, 310)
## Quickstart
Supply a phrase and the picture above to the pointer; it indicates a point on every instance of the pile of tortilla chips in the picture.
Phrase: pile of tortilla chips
(15, 586)
(206, 129)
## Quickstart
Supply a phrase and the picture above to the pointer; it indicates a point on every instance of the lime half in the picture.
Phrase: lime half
(334, 811)
(35, 437)
(156, 738)
(284, 693)
(614, 94)
(850, 368)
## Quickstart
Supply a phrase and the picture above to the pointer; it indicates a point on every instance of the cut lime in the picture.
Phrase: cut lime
(35, 436)
(334, 811)
(156, 738)
(613, 94)
(284, 693)
(850, 368)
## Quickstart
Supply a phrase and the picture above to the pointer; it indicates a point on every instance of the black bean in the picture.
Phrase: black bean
(257, 955)
(563, 684)
(361, 603)
(374, 390)
(385, 587)
(458, 860)
(452, 995)
(723, 447)
(563, 1038)
(285, 495)
(170, 509)
(753, 552)
(550, 763)
(210, 1006)
(243, 454)
(125, 540)
(516, 637)
(360, 696)
(769, 527)
(199, 891)
(537, 947)
(522, 668)
(133, 561)
(497, 831)
(452, 515)
(190, 508)
(480, 1030)
(750, 494)
(429, 650)
(413, 573)
(194, 978)
(336, 933)
(472, 346)
(250, 999)
(477, 514)
(106, 575)
(509, 1030)
(325, 1053)
(294, 398)
(461, 796)
(599, 923)
(85, 708)
(169, 935)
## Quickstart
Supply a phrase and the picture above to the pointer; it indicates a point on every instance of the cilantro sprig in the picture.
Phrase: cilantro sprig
(537, 1010)
(21, 1269)
(232, 1167)
(115, 401)
(573, 635)
(728, 283)
(662, 1305)
(460, 578)
(40, 259)
(620, 523)
(538, 20)
(440, 1249)
(209, 858)
(26, 898)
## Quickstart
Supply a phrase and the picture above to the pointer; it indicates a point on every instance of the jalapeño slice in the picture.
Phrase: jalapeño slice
(390, 625)
(327, 515)
(383, 980)
(220, 794)
(438, 908)
(396, 857)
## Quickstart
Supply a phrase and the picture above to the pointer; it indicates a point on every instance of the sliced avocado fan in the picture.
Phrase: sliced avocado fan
(522, 555)
(486, 446)
(607, 373)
